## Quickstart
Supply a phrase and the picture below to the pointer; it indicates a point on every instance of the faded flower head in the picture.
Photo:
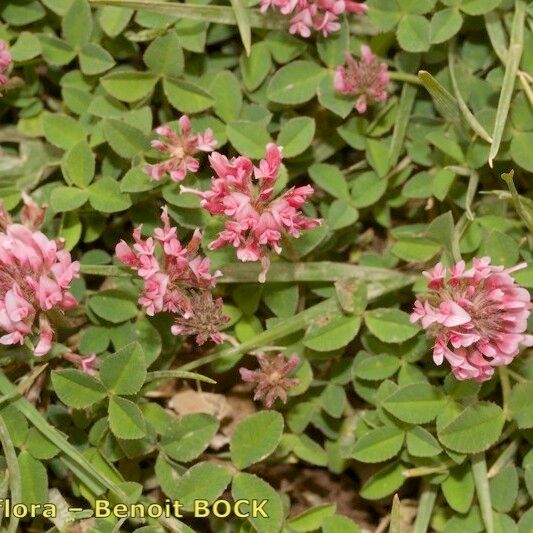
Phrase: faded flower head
(206, 321)
(318, 15)
(272, 377)
(367, 79)
(181, 150)
(173, 276)
(257, 221)
(35, 275)
(478, 317)
(5, 63)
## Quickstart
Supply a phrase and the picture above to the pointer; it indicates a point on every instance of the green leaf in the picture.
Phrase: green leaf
(77, 389)
(129, 86)
(228, 97)
(384, 482)
(250, 487)
(125, 139)
(421, 443)
(341, 214)
(296, 135)
(331, 179)
(67, 198)
(377, 367)
(339, 524)
(474, 430)
(113, 20)
(458, 488)
(39, 446)
(105, 196)
(77, 24)
(521, 405)
(390, 325)
(62, 131)
(189, 436)
(417, 403)
(165, 56)
(504, 489)
(415, 249)
(95, 60)
(124, 372)
(414, 33)
(378, 156)
(332, 332)
(255, 67)
(33, 480)
(255, 438)
(136, 180)
(125, 419)
(78, 164)
(313, 518)
(521, 149)
(295, 83)
(501, 248)
(310, 451)
(113, 305)
(248, 138)
(332, 49)
(367, 189)
(445, 24)
(333, 400)
(27, 47)
(478, 7)
(378, 445)
(186, 96)
(203, 481)
(338, 103)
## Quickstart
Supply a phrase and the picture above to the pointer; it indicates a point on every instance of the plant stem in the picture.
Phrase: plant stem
(404, 76)
(506, 389)
(479, 471)
(500, 463)
(425, 508)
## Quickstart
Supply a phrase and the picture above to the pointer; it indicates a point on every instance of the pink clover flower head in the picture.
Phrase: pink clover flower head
(35, 277)
(367, 79)
(176, 279)
(272, 377)
(5, 63)
(478, 317)
(320, 16)
(181, 149)
(257, 221)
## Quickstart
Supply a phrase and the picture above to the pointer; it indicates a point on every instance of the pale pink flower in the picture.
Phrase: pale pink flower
(477, 316)
(272, 377)
(176, 279)
(35, 275)
(86, 364)
(181, 149)
(5, 63)
(257, 222)
(367, 80)
(314, 15)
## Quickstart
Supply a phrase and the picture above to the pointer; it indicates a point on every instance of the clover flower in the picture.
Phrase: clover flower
(5, 63)
(173, 277)
(35, 275)
(367, 79)
(257, 221)
(318, 15)
(477, 316)
(272, 377)
(181, 149)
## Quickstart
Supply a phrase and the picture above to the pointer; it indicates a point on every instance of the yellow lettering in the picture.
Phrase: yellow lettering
(101, 509)
(237, 508)
(201, 508)
(257, 508)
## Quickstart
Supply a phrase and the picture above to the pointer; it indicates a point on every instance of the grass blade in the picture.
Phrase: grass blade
(204, 13)
(13, 472)
(445, 103)
(469, 117)
(407, 100)
(497, 36)
(395, 516)
(511, 70)
(177, 374)
(243, 23)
